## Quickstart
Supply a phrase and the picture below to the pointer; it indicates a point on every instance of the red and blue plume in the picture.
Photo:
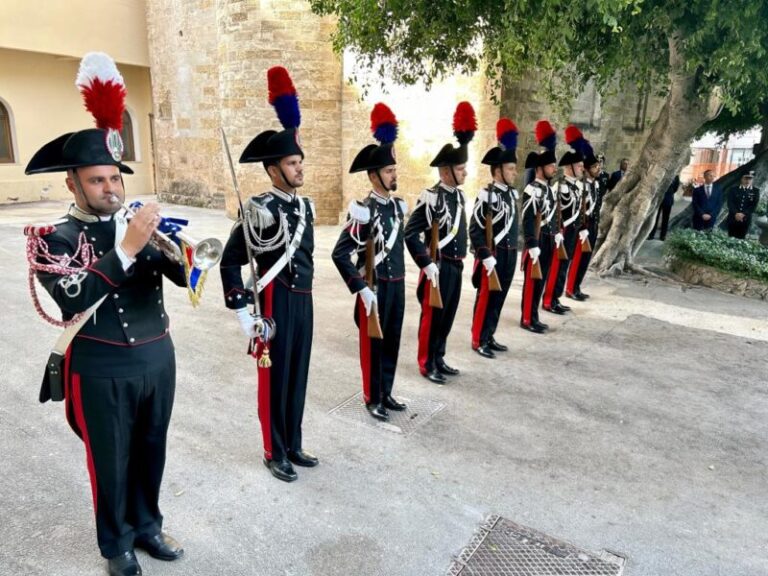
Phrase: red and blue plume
(506, 133)
(464, 123)
(383, 124)
(575, 139)
(103, 90)
(282, 95)
(546, 135)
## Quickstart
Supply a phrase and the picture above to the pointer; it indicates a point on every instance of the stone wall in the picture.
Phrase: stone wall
(703, 275)
(209, 60)
(209, 64)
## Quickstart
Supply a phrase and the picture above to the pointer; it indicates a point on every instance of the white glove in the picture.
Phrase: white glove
(534, 253)
(558, 239)
(369, 299)
(246, 322)
(583, 235)
(490, 264)
(432, 272)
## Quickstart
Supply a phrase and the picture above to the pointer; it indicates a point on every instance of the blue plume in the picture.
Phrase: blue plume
(509, 140)
(386, 133)
(287, 108)
(550, 142)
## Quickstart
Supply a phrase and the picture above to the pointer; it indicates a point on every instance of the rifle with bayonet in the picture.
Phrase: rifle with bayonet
(494, 285)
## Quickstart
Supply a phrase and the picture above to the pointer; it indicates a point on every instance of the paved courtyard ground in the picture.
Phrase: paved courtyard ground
(639, 424)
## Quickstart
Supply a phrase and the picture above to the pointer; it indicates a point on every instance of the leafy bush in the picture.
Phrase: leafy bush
(743, 258)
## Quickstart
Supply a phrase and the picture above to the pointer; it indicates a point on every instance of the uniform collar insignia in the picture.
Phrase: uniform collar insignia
(283, 195)
(447, 188)
(78, 214)
(379, 198)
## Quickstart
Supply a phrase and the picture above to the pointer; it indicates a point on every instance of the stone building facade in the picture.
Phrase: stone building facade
(209, 60)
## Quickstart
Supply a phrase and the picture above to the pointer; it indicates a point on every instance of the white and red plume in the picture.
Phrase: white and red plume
(103, 90)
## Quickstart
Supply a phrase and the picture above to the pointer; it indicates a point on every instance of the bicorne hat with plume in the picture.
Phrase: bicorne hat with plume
(505, 151)
(384, 129)
(272, 145)
(103, 91)
(464, 128)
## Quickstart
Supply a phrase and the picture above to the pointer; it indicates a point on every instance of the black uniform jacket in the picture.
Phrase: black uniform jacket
(503, 208)
(272, 219)
(133, 313)
(376, 216)
(445, 204)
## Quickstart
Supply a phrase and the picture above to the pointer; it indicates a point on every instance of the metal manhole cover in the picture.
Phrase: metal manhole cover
(406, 422)
(503, 548)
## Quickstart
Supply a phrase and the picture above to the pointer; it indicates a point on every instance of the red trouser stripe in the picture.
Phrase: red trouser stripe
(77, 404)
(480, 308)
(573, 271)
(549, 289)
(424, 327)
(264, 385)
(365, 349)
(527, 289)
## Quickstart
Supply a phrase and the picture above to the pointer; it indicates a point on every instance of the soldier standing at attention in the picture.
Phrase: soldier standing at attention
(374, 233)
(280, 237)
(742, 202)
(436, 237)
(496, 205)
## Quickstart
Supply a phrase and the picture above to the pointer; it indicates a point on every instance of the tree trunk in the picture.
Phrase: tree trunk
(629, 209)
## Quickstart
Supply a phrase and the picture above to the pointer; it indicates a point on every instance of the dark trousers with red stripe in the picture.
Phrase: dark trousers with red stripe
(580, 264)
(378, 358)
(436, 323)
(123, 423)
(533, 289)
(488, 304)
(569, 240)
(283, 386)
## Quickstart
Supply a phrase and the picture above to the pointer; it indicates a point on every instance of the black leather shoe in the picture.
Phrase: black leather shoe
(562, 307)
(578, 296)
(377, 411)
(160, 546)
(535, 328)
(281, 469)
(303, 458)
(443, 368)
(435, 377)
(554, 310)
(125, 564)
(493, 345)
(485, 351)
(391, 403)
(541, 326)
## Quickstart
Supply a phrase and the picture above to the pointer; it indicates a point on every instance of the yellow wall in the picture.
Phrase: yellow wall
(74, 27)
(39, 91)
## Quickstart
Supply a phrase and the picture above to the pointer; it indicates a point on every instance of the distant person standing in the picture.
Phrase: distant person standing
(742, 201)
(619, 174)
(707, 202)
(665, 208)
(602, 176)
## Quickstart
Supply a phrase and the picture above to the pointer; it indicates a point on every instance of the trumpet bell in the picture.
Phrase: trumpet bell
(207, 253)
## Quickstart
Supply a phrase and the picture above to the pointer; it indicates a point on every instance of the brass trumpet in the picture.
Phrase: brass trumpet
(205, 253)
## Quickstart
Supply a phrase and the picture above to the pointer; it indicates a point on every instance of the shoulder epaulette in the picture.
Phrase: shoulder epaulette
(359, 212)
(43, 229)
(258, 213)
(429, 197)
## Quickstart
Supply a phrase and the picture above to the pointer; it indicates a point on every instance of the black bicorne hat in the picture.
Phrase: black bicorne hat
(581, 146)
(464, 127)
(271, 144)
(570, 157)
(103, 91)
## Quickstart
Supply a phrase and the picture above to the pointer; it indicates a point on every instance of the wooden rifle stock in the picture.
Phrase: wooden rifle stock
(435, 299)
(536, 273)
(586, 246)
(494, 285)
(374, 326)
(562, 253)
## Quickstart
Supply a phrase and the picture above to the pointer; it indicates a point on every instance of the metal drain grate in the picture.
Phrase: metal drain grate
(406, 422)
(503, 548)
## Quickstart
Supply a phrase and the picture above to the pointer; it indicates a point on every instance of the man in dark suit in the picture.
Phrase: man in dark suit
(665, 208)
(619, 174)
(707, 201)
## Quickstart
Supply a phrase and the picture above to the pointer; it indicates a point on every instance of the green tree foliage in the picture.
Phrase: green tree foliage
(723, 43)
